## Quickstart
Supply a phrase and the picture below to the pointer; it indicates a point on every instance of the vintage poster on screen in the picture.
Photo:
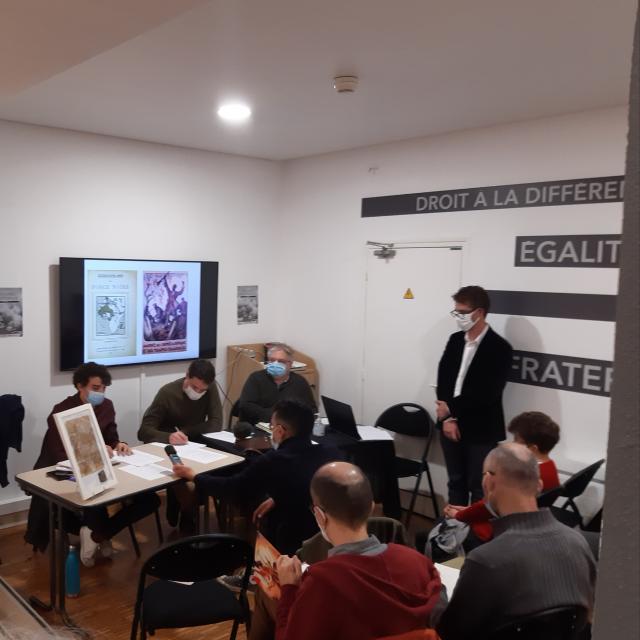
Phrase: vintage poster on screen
(111, 313)
(10, 312)
(248, 305)
(165, 311)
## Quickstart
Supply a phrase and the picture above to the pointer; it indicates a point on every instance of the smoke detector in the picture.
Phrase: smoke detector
(345, 84)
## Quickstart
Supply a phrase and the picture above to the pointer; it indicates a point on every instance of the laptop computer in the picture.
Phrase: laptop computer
(340, 416)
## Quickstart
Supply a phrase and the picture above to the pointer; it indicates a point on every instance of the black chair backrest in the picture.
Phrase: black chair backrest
(548, 497)
(561, 623)
(199, 558)
(578, 482)
(408, 419)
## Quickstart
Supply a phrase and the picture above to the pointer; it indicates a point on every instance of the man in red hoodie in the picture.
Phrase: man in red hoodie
(364, 589)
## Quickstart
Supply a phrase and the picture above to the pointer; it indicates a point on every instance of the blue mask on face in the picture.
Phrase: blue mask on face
(95, 398)
(276, 369)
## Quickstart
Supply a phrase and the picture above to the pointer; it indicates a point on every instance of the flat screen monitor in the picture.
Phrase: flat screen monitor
(122, 312)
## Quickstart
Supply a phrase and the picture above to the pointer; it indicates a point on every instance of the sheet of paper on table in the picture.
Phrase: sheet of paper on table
(150, 472)
(449, 577)
(181, 447)
(225, 436)
(373, 433)
(204, 456)
(137, 458)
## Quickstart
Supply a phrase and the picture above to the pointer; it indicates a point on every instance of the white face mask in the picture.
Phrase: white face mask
(192, 394)
(323, 532)
(274, 444)
(465, 322)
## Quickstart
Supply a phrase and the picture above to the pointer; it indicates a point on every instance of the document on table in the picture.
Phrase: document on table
(204, 456)
(137, 458)
(180, 447)
(225, 436)
(149, 472)
(448, 576)
(373, 433)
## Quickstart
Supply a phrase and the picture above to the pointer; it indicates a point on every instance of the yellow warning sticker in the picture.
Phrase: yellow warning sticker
(408, 294)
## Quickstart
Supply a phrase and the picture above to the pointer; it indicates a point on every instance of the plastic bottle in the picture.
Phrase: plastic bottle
(72, 573)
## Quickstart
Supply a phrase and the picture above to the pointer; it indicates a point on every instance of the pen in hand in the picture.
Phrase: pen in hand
(178, 437)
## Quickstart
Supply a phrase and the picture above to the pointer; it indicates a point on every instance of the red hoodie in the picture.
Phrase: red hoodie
(352, 596)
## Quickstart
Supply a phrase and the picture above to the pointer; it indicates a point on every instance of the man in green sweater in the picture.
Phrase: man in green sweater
(185, 408)
(181, 411)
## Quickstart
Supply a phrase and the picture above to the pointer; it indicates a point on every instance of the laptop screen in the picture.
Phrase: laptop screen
(340, 416)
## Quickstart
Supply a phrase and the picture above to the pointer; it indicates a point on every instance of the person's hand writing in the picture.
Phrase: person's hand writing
(123, 449)
(178, 437)
(289, 570)
(450, 430)
(442, 410)
(184, 472)
(262, 510)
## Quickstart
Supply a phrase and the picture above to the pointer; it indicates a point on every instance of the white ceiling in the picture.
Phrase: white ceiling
(425, 67)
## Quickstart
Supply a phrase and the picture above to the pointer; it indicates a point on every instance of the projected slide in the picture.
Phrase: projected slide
(141, 311)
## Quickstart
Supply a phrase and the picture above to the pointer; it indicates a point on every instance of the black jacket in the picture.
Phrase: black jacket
(11, 417)
(283, 474)
(260, 393)
(478, 408)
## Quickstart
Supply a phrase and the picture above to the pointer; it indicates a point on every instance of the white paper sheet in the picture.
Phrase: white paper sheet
(200, 455)
(373, 433)
(137, 458)
(150, 472)
(225, 436)
(449, 577)
(189, 445)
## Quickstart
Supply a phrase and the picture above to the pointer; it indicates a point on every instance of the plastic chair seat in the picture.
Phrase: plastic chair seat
(406, 467)
(168, 605)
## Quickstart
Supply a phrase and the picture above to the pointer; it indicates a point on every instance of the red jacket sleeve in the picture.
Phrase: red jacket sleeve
(549, 475)
(476, 512)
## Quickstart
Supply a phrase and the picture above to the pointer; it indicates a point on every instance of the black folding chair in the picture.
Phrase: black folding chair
(411, 419)
(575, 487)
(561, 623)
(167, 604)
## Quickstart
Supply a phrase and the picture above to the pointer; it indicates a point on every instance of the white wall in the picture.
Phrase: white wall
(71, 194)
(324, 279)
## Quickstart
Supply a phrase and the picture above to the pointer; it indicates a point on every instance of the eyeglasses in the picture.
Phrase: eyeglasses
(461, 314)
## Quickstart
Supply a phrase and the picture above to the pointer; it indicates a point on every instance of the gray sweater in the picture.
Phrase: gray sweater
(533, 563)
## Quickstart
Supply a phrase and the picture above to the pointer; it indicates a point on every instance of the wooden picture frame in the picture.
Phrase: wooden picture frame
(85, 447)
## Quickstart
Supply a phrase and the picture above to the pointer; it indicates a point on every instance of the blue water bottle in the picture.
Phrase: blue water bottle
(72, 573)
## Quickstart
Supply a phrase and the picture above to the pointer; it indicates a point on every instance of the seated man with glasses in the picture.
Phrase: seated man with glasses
(364, 589)
(533, 564)
(280, 478)
(263, 389)
(472, 374)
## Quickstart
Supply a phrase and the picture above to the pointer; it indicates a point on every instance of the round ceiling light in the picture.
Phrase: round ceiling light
(234, 112)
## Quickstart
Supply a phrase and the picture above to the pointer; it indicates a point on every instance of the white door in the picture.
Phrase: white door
(407, 325)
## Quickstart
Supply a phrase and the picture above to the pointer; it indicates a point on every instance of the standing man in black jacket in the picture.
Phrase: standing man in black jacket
(471, 378)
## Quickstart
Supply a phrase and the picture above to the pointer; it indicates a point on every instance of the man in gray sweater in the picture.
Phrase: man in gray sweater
(533, 563)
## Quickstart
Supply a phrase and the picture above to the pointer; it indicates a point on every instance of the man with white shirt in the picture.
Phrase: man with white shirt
(471, 378)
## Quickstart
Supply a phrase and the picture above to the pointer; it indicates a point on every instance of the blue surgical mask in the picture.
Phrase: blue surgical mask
(95, 398)
(276, 369)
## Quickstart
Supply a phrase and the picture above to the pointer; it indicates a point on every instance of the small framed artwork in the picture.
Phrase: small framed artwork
(84, 444)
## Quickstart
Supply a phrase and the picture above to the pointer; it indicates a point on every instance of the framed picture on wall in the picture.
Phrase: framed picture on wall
(84, 444)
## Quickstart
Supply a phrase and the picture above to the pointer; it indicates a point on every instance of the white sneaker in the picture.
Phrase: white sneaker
(88, 547)
(106, 549)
